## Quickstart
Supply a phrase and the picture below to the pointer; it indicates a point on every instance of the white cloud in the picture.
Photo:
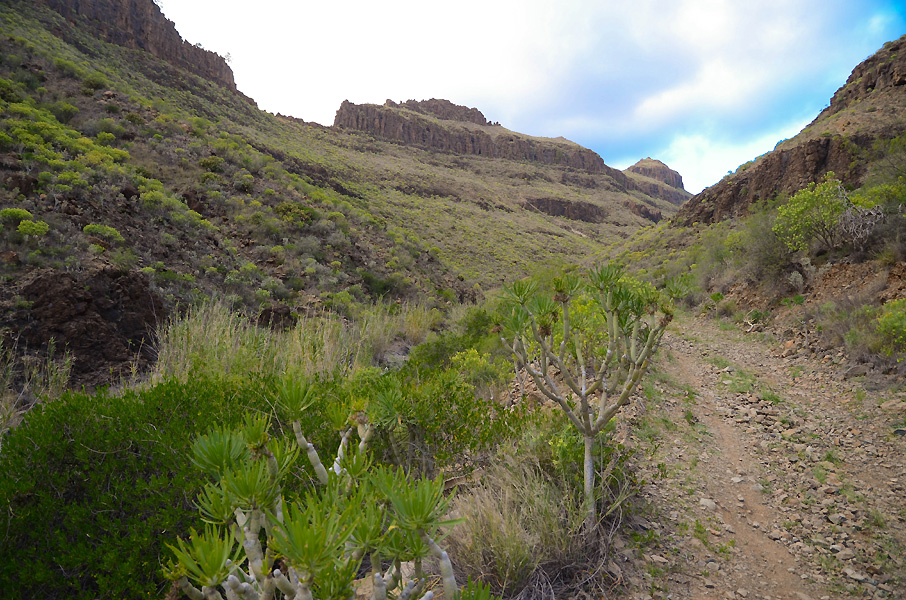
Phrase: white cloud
(601, 72)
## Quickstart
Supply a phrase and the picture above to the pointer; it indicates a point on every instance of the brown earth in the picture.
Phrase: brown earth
(770, 476)
(105, 319)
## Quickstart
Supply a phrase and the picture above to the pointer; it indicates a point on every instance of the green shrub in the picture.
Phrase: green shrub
(214, 164)
(95, 81)
(891, 325)
(99, 483)
(33, 228)
(106, 139)
(13, 216)
(812, 213)
(63, 111)
(104, 231)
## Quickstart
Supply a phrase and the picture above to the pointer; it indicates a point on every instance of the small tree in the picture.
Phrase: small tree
(588, 360)
(812, 213)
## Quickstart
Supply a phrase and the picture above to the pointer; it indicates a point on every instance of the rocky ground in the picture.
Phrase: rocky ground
(770, 474)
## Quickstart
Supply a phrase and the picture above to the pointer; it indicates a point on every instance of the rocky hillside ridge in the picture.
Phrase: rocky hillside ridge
(139, 24)
(421, 124)
(447, 127)
(869, 107)
(655, 169)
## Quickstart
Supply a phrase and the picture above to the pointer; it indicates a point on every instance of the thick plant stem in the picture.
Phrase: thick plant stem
(380, 588)
(211, 593)
(313, 457)
(589, 472)
(284, 584)
(192, 592)
(446, 567)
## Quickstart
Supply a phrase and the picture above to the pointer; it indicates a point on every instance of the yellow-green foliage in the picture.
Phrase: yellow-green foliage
(105, 231)
(33, 228)
(812, 213)
(13, 216)
(891, 324)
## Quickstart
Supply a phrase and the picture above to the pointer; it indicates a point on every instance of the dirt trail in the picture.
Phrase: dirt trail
(770, 477)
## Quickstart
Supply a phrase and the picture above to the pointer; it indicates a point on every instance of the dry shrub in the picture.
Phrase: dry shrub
(523, 532)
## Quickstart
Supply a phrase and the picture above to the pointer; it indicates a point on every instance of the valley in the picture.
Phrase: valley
(201, 301)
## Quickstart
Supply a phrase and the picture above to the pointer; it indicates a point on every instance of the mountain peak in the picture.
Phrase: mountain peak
(655, 169)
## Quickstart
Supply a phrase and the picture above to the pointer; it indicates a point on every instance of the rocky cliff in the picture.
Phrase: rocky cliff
(139, 24)
(444, 126)
(867, 108)
(447, 127)
(655, 169)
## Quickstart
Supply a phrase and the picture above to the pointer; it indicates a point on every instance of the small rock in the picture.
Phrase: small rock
(708, 503)
(854, 575)
(894, 405)
(742, 592)
(836, 518)
(709, 584)
(846, 554)
(900, 432)
(775, 534)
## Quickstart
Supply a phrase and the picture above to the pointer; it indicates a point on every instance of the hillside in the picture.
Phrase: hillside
(845, 139)
(153, 182)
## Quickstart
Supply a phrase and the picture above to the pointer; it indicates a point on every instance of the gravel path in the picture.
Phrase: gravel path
(770, 475)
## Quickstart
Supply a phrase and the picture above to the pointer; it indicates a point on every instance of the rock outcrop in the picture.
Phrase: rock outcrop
(140, 24)
(443, 109)
(779, 172)
(104, 319)
(446, 127)
(655, 169)
(867, 108)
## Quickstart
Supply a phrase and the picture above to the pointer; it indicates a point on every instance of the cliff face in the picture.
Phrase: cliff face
(457, 133)
(442, 109)
(867, 108)
(781, 171)
(139, 24)
(657, 170)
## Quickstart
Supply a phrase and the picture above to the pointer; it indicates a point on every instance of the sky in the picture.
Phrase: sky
(702, 85)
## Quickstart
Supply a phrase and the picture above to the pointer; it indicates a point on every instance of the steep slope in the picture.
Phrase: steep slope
(867, 109)
(157, 185)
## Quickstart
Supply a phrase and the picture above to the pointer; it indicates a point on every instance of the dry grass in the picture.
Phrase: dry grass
(25, 381)
(523, 535)
(212, 339)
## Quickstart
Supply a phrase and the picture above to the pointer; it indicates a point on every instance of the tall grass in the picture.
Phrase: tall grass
(212, 339)
(25, 380)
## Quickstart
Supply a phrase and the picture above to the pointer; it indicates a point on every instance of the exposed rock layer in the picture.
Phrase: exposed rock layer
(140, 24)
(394, 123)
(447, 127)
(830, 143)
(655, 169)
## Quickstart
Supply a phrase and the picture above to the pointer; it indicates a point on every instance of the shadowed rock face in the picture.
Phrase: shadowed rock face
(139, 24)
(105, 319)
(575, 210)
(880, 81)
(781, 171)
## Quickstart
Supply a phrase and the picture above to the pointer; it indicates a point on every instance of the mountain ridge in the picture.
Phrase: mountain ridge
(867, 109)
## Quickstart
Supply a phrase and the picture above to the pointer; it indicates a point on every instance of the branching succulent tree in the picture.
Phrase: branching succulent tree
(258, 546)
(586, 344)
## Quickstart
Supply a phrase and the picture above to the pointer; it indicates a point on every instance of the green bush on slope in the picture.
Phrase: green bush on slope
(91, 486)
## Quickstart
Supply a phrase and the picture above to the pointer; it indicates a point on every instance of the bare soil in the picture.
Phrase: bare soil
(770, 475)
